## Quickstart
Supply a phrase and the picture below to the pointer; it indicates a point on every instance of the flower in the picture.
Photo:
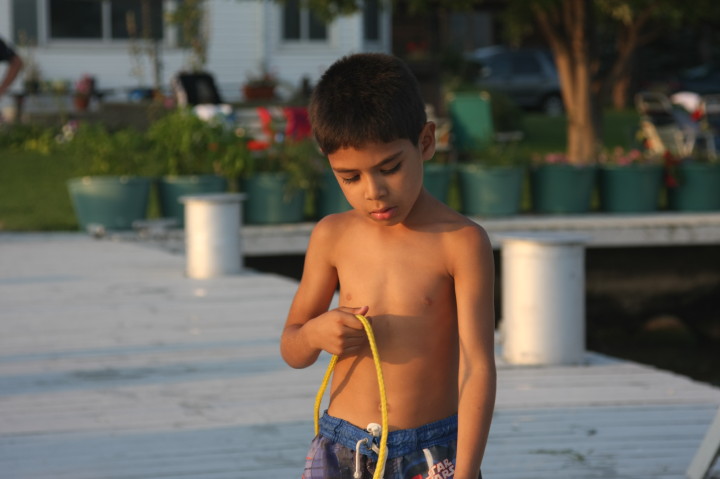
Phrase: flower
(67, 132)
(620, 157)
(553, 158)
(670, 176)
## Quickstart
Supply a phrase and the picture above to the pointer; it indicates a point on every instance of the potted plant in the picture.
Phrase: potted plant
(260, 87)
(193, 156)
(693, 183)
(112, 187)
(329, 197)
(559, 186)
(439, 171)
(277, 178)
(84, 89)
(491, 180)
(629, 181)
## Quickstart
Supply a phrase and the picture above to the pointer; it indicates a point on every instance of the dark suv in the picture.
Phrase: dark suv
(526, 75)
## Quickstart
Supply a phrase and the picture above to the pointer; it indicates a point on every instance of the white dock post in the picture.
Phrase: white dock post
(543, 298)
(212, 234)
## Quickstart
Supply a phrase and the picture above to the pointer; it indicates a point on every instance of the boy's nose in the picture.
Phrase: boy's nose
(375, 189)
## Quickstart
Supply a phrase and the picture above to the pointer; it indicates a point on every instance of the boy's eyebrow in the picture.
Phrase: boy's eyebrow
(382, 163)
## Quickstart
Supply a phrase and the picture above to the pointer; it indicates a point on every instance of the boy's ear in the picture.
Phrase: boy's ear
(427, 141)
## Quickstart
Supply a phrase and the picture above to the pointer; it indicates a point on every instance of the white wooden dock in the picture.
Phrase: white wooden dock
(602, 230)
(114, 365)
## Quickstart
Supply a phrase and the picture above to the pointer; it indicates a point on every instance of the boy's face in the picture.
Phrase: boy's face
(382, 181)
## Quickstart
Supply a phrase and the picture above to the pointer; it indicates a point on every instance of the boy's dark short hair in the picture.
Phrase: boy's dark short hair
(366, 98)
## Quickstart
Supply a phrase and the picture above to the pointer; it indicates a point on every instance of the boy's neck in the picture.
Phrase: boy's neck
(420, 214)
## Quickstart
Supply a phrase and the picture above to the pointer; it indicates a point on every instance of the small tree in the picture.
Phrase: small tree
(190, 17)
(571, 29)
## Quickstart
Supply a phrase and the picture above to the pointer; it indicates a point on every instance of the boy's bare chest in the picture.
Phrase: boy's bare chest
(399, 276)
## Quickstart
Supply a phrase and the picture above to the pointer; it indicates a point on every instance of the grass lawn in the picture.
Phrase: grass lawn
(34, 196)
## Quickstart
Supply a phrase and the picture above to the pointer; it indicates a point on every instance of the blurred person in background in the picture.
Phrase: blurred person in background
(15, 64)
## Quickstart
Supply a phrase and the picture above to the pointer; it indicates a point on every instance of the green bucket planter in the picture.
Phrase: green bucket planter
(437, 178)
(110, 202)
(171, 188)
(329, 197)
(490, 191)
(271, 201)
(562, 188)
(698, 188)
(630, 188)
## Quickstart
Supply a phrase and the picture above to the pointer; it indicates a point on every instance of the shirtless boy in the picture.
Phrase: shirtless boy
(421, 273)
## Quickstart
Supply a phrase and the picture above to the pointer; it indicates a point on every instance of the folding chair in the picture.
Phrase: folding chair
(196, 88)
(668, 128)
(710, 107)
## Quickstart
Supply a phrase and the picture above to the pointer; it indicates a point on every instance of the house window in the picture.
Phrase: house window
(75, 19)
(88, 19)
(301, 24)
(371, 20)
(103, 19)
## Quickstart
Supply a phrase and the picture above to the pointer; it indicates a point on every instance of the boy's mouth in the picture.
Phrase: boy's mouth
(384, 213)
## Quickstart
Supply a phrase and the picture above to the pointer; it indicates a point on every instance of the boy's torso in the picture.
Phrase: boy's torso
(404, 276)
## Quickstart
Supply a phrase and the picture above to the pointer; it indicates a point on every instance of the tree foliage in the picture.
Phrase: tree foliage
(593, 42)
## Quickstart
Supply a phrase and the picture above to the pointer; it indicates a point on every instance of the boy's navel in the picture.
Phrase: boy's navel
(348, 297)
(427, 301)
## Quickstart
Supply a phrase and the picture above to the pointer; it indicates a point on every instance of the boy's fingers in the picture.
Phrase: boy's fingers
(352, 322)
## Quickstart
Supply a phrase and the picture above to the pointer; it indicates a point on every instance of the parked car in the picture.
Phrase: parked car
(526, 75)
(701, 79)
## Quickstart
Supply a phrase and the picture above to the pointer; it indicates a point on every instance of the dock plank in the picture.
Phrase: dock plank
(114, 365)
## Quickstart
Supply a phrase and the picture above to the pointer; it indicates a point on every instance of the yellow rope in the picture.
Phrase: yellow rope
(383, 396)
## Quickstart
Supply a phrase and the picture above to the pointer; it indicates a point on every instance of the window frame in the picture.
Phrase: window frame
(305, 17)
(43, 26)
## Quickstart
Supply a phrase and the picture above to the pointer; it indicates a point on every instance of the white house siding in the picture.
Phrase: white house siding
(5, 16)
(110, 65)
(5, 25)
(235, 50)
(293, 61)
(244, 36)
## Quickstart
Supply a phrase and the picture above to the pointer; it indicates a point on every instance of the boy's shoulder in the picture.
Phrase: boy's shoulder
(440, 218)
(335, 222)
(329, 228)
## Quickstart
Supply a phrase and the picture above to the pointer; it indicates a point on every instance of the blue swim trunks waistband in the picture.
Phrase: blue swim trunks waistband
(400, 442)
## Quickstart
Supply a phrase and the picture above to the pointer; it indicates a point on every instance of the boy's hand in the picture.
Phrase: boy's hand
(338, 331)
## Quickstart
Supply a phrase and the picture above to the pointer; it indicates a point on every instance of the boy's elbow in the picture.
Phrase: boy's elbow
(296, 363)
(292, 358)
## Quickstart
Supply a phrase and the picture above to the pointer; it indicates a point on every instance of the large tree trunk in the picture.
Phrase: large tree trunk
(569, 31)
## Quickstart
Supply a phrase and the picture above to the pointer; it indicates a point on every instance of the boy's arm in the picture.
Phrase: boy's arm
(310, 327)
(474, 276)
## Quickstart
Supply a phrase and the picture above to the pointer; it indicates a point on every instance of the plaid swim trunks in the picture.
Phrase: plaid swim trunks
(427, 452)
